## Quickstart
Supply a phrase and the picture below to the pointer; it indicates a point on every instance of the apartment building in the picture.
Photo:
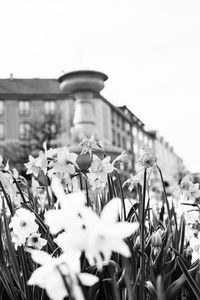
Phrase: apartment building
(76, 99)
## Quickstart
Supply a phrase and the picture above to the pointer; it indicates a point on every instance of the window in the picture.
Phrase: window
(145, 140)
(140, 136)
(113, 137)
(124, 142)
(134, 131)
(113, 117)
(2, 131)
(123, 124)
(2, 107)
(118, 140)
(24, 107)
(128, 145)
(127, 126)
(49, 107)
(150, 144)
(135, 148)
(24, 131)
(51, 129)
(118, 120)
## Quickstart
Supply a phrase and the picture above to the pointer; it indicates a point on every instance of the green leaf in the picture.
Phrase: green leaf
(173, 290)
(159, 285)
(189, 278)
(181, 235)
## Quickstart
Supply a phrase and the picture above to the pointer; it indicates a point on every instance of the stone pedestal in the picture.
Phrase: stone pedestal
(84, 117)
(83, 85)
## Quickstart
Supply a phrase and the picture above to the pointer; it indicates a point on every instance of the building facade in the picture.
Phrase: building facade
(77, 101)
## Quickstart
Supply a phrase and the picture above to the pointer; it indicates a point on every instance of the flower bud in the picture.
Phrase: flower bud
(156, 239)
(137, 242)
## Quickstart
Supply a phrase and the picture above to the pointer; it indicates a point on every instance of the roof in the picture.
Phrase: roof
(124, 108)
(84, 73)
(29, 86)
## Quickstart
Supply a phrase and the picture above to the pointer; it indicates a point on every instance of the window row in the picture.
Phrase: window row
(24, 107)
(120, 141)
(118, 120)
(141, 136)
(24, 130)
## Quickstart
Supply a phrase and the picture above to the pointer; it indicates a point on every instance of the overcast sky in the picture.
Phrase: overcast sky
(150, 51)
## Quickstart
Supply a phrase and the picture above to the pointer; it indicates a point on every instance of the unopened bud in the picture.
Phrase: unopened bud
(156, 239)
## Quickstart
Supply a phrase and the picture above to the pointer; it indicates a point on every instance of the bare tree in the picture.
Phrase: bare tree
(48, 128)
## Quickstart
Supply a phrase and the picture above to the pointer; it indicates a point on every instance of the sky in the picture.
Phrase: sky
(150, 51)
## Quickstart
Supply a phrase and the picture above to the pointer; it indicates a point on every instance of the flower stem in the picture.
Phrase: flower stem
(47, 190)
(142, 237)
(166, 201)
(122, 197)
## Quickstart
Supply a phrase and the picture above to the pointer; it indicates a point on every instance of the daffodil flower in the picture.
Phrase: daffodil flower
(7, 182)
(53, 271)
(187, 189)
(63, 163)
(88, 145)
(35, 165)
(71, 206)
(23, 223)
(147, 159)
(123, 157)
(195, 245)
(98, 172)
(34, 240)
(104, 234)
(133, 180)
(18, 240)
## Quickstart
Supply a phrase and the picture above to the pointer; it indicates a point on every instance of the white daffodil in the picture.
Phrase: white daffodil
(18, 240)
(34, 240)
(53, 271)
(88, 145)
(104, 234)
(98, 172)
(187, 190)
(35, 165)
(50, 153)
(123, 157)
(40, 193)
(147, 159)
(7, 182)
(71, 206)
(15, 173)
(64, 162)
(195, 245)
(23, 223)
(133, 180)
(74, 239)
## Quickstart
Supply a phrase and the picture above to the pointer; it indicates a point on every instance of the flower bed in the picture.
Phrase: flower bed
(76, 235)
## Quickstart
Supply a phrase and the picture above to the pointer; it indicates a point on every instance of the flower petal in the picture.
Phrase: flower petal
(41, 257)
(119, 246)
(123, 230)
(88, 279)
(111, 210)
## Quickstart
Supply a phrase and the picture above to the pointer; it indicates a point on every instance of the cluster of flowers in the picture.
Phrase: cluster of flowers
(77, 228)
(25, 230)
(62, 164)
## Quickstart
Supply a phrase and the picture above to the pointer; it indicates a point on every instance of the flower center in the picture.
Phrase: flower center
(35, 239)
(23, 223)
(185, 186)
